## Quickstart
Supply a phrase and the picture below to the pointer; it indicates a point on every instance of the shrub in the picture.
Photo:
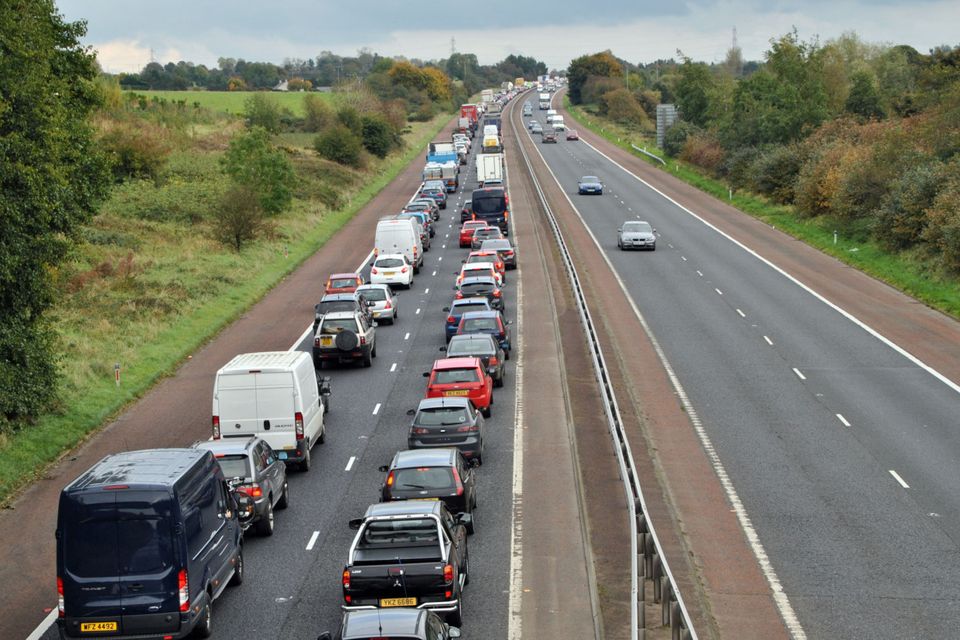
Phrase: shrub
(818, 181)
(942, 229)
(596, 86)
(378, 138)
(676, 137)
(703, 150)
(737, 166)
(340, 144)
(261, 110)
(135, 151)
(774, 173)
(350, 118)
(253, 161)
(901, 219)
(239, 218)
(319, 113)
(620, 106)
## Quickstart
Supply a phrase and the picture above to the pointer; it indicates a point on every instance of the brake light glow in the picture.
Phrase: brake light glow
(448, 573)
(60, 609)
(390, 479)
(497, 293)
(373, 271)
(388, 305)
(494, 361)
(456, 477)
(403, 270)
(216, 427)
(451, 319)
(346, 581)
(183, 591)
(253, 490)
(298, 424)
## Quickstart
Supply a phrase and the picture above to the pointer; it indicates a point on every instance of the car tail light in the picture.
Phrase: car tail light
(390, 479)
(298, 424)
(363, 340)
(329, 284)
(459, 295)
(253, 490)
(373, 271)
(387, 305)
(60, 609)
(414, 253)
(451, 319)
(494, 361)
(467, 428)
(448, 573)
(216, 427)
(456, 477)
(316, 342)
(497, 293)
(346, 580)
(403, 270)
(419, 431)
(376, 251)
(183, 590)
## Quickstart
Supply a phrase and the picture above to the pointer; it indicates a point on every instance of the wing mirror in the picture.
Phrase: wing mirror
(411, 412)
(355, 523)
(446, 309)
(426, 374)
(383, 468)
(326, 634)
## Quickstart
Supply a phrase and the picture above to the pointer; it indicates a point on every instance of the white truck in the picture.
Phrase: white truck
(544, 101)
(486, 96)
(489, 167)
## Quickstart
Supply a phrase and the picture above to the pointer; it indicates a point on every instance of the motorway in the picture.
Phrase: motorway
(841, 449)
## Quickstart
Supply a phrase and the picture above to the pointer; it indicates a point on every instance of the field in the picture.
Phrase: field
(233, 101)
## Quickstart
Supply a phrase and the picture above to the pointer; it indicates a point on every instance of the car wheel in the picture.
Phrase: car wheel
(284, 500)
(455, 618)
(506, 354)
(323, 433)
(265, 525)
(305, 464)
(416, 269)
(367, 360)
(487, 412)
(237, 578)
(498, 381)
(373, 351)
(471, 529)
(653, 248)
(204, 626)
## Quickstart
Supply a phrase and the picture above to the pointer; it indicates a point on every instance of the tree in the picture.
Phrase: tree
(252, 161)
(692, 90)
(864, 99)
(319, 113)
(598, 64)
(52, 179)
(239, 218)
(340, 144)
(261, 110)
(378, 138)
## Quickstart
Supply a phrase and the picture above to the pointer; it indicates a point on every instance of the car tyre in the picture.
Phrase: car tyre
(367, 360)
(323, 434)
(455, 618)
(237, 578)
(498, 381)
(266, 523)
(284, 500)
(204, 626)
(486, 412)
(305, 463)
(373, 351)
(506, 354)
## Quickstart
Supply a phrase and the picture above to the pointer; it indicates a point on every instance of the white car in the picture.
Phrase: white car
(384, 305)
(559, 126)
(461, 138)
(473, 269)
(392, 269)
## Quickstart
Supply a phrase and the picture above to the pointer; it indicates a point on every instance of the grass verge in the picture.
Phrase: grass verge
(234, 101)
(179, 273)
(904, 271)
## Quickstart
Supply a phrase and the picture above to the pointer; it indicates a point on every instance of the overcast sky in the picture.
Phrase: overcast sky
(124, 32)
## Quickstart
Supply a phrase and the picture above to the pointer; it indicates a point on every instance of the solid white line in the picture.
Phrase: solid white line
(393, 367)
(406, 337)
(896, 476)
(41, 629)
(515, 603)
(350, 463)
(313, 540)
(742, 314)
(842, 420)
(718, 291)
(799, 375)
(769, 341)
(376, 409)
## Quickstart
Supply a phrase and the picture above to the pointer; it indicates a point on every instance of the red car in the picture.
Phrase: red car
(461, 377)
(343, 282)
(466, 231)
(572, 134)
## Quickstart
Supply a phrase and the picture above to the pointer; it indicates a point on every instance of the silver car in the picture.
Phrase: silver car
(636, 234)
(384, 302)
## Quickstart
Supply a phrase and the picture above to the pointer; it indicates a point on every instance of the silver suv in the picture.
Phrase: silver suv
(382, 300)
(345, 336)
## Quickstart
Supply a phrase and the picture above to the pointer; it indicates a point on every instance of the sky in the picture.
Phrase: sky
(127, 33)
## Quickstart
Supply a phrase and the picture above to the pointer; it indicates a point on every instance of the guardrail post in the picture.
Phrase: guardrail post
(665, 602)
(656, 573)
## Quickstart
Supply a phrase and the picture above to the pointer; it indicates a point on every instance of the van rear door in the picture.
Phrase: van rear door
(275, 409)
(237, 404)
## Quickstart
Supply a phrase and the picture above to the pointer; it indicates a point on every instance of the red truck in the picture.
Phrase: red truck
(470, 112)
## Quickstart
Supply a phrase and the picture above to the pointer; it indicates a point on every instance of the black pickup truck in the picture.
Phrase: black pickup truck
(408, 554)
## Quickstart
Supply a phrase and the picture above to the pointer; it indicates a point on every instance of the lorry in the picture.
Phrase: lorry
(489, 167)
(519, 83)
(442, 152)
(449, 173)
(465, 126)
(472, 113)
(486, 96)
(506, 86)
(410, 553)
(493, 119)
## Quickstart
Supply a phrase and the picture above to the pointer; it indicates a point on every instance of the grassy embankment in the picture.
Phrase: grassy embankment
(233, 101)
(904, 271)
(149, 284)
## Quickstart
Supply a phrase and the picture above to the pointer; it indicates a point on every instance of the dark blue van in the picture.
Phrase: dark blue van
(146, 541)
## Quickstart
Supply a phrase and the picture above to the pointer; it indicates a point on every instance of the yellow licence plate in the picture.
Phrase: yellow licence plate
(326, 341)
(389, 273)
(398, 602)
(457, 392)
(98, 626)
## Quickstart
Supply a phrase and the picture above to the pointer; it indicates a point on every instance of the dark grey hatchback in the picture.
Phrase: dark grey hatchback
(431, 474)
(483, 346)
(412, 624)
(447, 422)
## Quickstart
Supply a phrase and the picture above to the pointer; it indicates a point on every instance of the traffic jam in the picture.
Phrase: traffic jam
(148, 540)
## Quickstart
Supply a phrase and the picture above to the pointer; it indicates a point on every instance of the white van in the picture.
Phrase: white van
(274, 395)
(399, 235)
(550, 113)
(490, 130)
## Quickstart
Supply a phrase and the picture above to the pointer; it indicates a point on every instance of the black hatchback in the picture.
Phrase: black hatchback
(483, 346)
(481, 287)
(431, 474)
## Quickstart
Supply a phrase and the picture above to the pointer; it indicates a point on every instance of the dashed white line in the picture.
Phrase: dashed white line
(417, 312)
(350, 463)
(769, 341)
(393, 367)
(376, 409)
(313, 540)
(699, 273)
(842, 420)
(426, 291)
(434, 273)
(444, 247)
(799, 375)
(896, 476)
(684, 258)
(439, 258)
(406, 337)
(742, 314)
(718, 291)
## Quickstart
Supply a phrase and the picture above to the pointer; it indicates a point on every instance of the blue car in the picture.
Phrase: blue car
(457, 308)
(439, 196)
(590, 184)
(490, 322)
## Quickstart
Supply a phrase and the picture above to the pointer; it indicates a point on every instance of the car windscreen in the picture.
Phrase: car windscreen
(589, 179)
(423, 478)
(455, 376)
(375, 295)
(480, 324)
(126, 542)
(234, 466)
(388, 263)
(487, 204)
(441, 416)
(381, 533)
(637, 227)
(337, 325)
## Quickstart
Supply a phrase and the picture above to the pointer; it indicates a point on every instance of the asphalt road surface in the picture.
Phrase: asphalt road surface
(842, 450)
(292, 587)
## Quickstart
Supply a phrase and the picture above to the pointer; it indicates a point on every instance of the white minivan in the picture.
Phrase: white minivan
(274, 395)
(399, 235)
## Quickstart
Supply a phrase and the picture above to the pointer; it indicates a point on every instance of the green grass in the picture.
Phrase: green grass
(906, 272)
(233, 101)
(149, 292)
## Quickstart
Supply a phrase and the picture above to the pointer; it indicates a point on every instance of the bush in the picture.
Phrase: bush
(703, 150)
(319, 113)
(676, 137)
(942, 229)
(253, 161)
(341, 145)
(737, 166)
(378, 138)
(350, 118)
(901, 219)
(239, 219)
(775, 172)
(28, 370)
(620, 106)
(596, 86)
(135, 151)
(261, 110)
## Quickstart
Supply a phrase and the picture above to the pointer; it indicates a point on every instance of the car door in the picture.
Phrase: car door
(274, 470)
(468, 479)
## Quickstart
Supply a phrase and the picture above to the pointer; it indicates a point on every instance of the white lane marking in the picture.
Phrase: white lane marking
(376, 409)
(769, 341)
(439, 258)
(670, 245)
(417, 312)
(393, 367)
(842, 420)
(718, 291)
(406, 337)
(514, 620)
(779, 597)
(699, 273)
(313, 540)
(350, 463)
(742, 314)
(799, 375)
(896, 476)
(426, 291)
(309, 328)
(846, 314)
(684, 258)
(41, 629)
(434, 273)
(444, 247)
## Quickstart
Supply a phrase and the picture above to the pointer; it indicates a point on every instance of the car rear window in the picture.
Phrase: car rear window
(389, 262)
(392, 532)
(234, 466)
(336, 305)
(487, 204)
(441, 416)
(455, 376)
(129, 544)
(460, 309)
(340, 283)
(474, 347)
(476, 289)
(338, 325)
(374, 294)
(423, 478)
(480, 324)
